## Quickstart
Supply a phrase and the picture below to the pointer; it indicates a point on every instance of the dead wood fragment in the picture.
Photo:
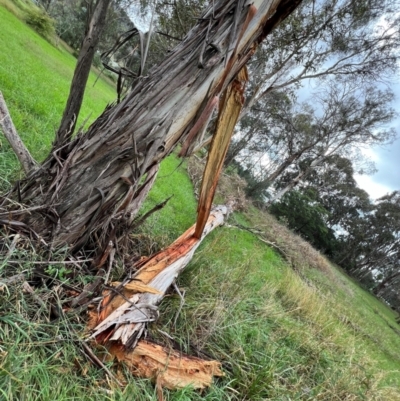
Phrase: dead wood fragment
(124, 316)
(168, 368)
(257, 233)
(121, 322)
(14, 242)
(137, 286)
(139, 221)
(94, 359)
(104, 256)
(9, 131)
(89, 290)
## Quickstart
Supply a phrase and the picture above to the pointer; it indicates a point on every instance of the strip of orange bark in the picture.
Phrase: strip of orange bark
(168, 368)
(123, 316)
(230, 108)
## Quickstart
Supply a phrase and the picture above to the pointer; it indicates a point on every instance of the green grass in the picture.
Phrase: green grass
(382, 338)
(180, 212)
(309, 334)
(35, 78)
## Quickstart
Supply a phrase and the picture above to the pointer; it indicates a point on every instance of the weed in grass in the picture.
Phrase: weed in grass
(40, 22)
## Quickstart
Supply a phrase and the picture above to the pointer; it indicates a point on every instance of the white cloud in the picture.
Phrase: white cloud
(141, 18)
(374, 189)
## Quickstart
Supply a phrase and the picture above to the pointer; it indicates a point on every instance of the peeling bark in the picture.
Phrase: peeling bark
(132, 305)
(168, 368)
(123, 317)
(232, 104)
(89, 184)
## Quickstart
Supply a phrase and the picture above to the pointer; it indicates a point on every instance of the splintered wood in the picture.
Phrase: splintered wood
(230, 108)
(169, 368)
(123, 317)
(125, 312)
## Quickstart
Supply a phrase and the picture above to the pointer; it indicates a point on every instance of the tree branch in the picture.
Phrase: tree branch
(11, 134)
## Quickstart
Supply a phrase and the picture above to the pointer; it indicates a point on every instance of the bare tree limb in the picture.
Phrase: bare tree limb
(11, 134)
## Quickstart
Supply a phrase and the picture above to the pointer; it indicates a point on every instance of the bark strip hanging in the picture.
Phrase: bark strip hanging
(123, 317)
(232, 103)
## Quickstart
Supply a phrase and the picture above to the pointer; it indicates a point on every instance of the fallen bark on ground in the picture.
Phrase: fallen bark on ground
(168, 368)
(131, 305)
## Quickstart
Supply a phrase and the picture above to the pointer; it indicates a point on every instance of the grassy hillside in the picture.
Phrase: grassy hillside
(35, 78)
(285, 323)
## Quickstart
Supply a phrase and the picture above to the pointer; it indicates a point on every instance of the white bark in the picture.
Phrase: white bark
(11, 134)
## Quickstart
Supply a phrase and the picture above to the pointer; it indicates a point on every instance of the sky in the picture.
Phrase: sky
(387, 161)
(386, 179)
(141, 20)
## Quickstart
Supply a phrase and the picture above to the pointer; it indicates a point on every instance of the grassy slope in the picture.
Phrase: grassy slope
(281, 335)
(34, 79)
(370, 321)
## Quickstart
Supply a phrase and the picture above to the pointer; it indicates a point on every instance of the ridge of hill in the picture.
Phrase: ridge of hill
(284, 322)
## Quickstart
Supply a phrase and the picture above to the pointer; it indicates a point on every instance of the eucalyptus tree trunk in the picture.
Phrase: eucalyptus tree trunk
(298, 179)
(264, 184)
(81, 74)
(388, 281)
(92, 187)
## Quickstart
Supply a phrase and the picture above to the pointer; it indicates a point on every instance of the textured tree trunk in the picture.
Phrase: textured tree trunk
(288, 188)
(81, 73)
(92, 187)
(386, 283)
(296, 181)
(264, 184)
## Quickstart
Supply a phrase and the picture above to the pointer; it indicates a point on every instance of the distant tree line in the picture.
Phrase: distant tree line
(299, 157)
